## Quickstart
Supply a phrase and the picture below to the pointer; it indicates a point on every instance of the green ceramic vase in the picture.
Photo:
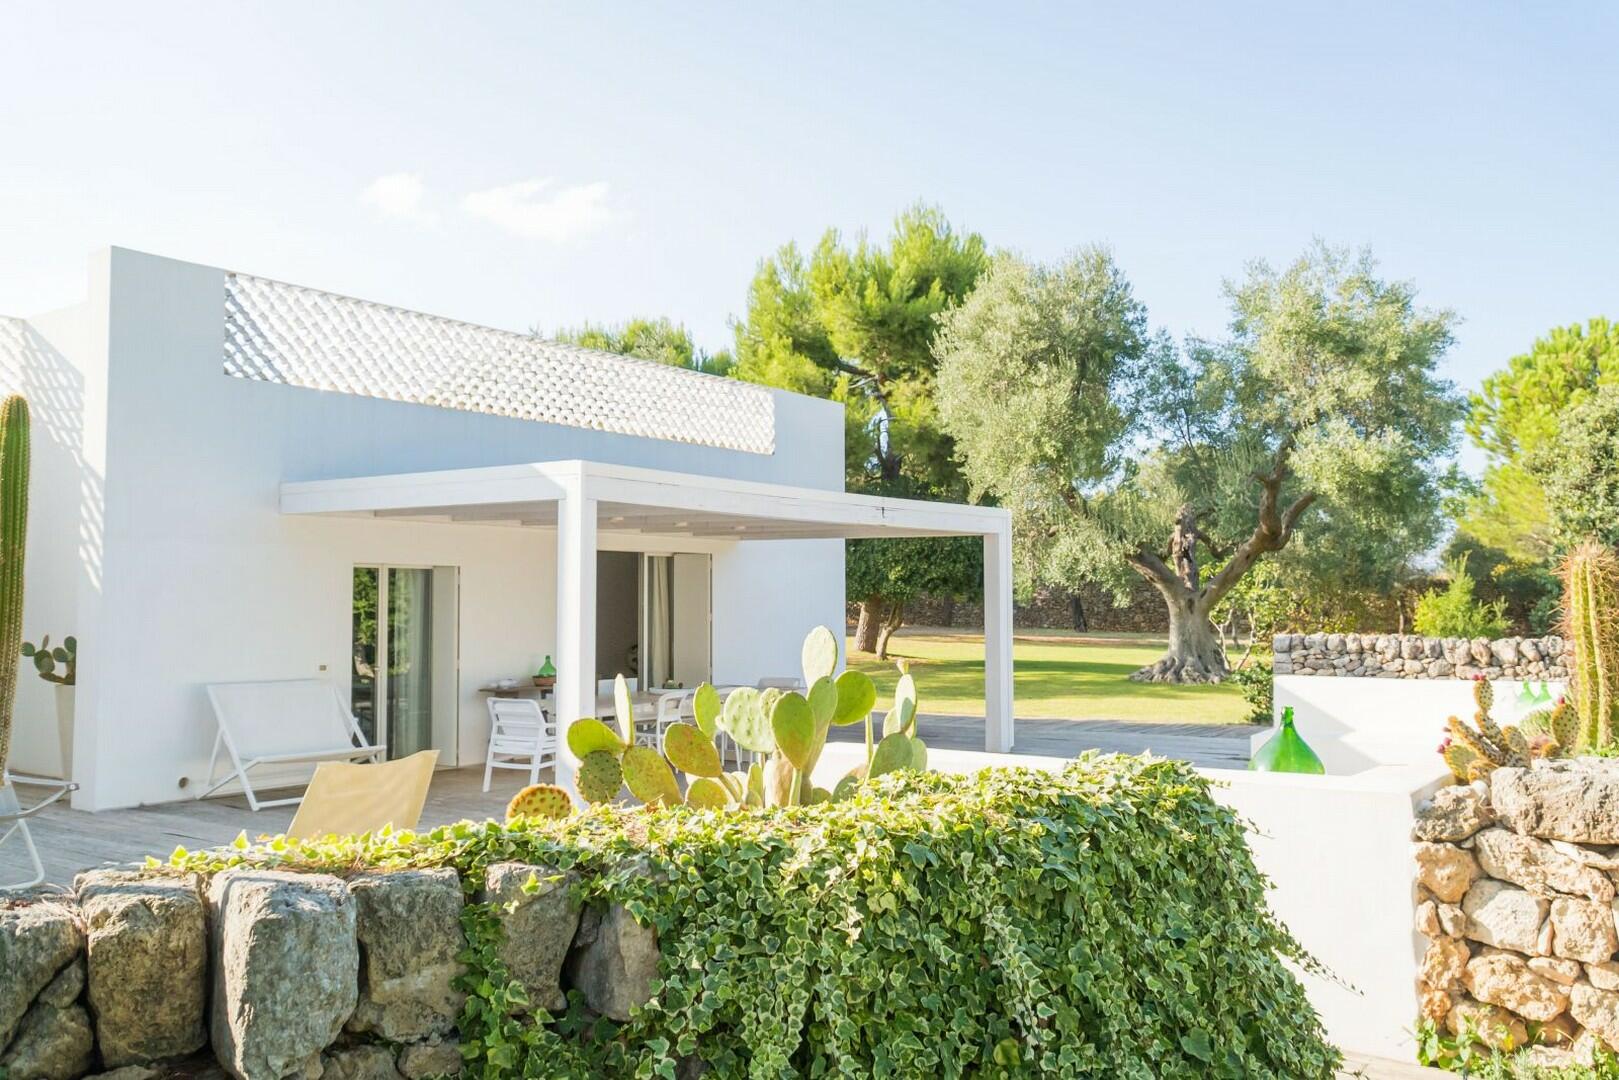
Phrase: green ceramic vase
(1286, 751)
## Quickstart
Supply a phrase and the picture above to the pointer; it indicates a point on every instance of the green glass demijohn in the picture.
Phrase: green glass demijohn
(547, 670)
(1286, 751)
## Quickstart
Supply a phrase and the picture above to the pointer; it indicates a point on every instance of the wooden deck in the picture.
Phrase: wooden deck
(72, 840)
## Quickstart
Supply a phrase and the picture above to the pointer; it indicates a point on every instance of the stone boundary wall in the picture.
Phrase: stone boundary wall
(1409, 656)
(1515, 896)
(278, 974)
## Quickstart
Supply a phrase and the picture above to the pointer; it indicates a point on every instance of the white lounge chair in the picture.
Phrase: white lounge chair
(14, 821)
(521, 736)
(282, 722)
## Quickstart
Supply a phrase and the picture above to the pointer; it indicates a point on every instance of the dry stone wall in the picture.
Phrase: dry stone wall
(1409, 656)
(1516, 899)
(273, 974)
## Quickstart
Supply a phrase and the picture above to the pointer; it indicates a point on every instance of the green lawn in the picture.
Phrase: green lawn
(1056, 674)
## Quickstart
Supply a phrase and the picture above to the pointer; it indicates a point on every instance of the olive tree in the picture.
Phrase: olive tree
(1120, 454)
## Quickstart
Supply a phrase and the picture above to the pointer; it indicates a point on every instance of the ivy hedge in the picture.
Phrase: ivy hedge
(1105, 921)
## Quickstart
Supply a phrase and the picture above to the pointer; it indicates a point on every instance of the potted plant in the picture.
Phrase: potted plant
(46, 659)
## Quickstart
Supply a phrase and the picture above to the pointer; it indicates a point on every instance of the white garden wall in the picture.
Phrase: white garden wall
(1360, 724)
(188, 574)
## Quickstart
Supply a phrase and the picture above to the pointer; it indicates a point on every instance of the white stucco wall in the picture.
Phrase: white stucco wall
(190, 575)
(1337, 851)
(38, 360)
(1358, 724)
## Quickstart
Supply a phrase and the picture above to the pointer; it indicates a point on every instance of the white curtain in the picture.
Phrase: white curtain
(657, 661)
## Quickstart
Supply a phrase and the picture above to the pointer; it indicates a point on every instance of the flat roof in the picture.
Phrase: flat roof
(631, 500)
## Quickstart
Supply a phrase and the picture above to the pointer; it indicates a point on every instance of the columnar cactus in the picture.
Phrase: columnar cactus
(13, 541)
(1591, 624)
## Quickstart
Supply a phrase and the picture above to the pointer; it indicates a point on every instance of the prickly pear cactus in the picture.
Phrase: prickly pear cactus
(600, 776)
(1471, 752)
(588, 734)
(706, 793)
(649, 777)
(13, 543)
(745, 719)
(792, 722)
(690, 752)
(819, 655)
(540, 801)
(857, 696)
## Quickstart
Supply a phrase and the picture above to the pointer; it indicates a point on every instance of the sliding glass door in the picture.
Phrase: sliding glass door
(397, 635)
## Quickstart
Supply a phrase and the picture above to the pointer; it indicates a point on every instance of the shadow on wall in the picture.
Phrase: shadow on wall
(65, 526)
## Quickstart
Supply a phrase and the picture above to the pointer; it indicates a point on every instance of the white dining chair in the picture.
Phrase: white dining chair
(521, 736)
(674, 707)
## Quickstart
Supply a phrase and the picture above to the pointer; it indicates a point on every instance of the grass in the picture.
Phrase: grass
(1056, 674)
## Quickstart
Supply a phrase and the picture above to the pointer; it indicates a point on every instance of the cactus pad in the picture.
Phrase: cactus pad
(754, 793)
(823, 702)
(744, 719)
(705, 708)
(690, 752)
(649, 777)
(599, 777)
(857, 696)
(780, 781)
(892, 754)
(793, 724)
(588, 735)
(624, 709)
(919, 754)
(846, 787)
(540, 801)
(819, 655)
(905, 700)
(705, 793)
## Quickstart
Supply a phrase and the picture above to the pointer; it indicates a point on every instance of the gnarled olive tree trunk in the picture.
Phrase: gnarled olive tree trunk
(1195, 653)
(879, 618)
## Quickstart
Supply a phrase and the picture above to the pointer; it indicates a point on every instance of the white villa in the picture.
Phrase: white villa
(239, 479)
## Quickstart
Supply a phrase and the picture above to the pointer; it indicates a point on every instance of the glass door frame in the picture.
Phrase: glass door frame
(381, 721)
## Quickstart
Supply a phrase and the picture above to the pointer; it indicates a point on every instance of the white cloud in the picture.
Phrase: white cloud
(400, 196)
(536, 209)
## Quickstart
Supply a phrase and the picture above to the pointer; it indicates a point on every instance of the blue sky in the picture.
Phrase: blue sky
(525, 165)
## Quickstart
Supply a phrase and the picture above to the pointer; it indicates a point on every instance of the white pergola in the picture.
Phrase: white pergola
(593, 506)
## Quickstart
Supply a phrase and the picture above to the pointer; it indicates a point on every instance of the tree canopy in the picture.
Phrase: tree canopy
(1579, 472)
(1517, 414)
(1320, 414)
(856, 324)
(656, 339)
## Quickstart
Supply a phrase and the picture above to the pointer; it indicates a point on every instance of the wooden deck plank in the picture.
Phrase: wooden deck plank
(72, 840)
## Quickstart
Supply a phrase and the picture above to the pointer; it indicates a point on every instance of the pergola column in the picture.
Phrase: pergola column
(998, 642)
(575, 694)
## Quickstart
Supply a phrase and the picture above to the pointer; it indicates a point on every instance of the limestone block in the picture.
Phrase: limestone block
(1507, 917)
(408, 923)
(286, 969)
(1445, 870)
(538, 923)
(147, 944)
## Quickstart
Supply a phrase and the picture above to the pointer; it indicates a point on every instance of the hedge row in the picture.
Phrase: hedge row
(1105, 921)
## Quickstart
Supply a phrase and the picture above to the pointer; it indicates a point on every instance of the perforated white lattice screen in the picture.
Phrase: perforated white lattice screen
(304, 337)
(14, 347)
